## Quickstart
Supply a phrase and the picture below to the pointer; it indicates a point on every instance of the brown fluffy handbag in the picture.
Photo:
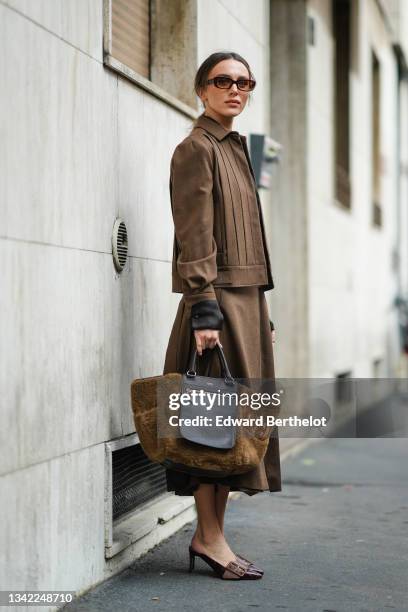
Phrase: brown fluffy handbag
(197, 450)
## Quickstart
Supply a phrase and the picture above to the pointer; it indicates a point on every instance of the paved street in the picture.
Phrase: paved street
(334, 539)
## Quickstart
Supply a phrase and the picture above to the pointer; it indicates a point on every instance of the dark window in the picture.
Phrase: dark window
(341, 33)
(375, 140)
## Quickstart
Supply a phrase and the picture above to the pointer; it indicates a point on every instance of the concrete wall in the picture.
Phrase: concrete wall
(288, 212)
(404, 188)
(352, 278)
(336, 273)
(80, 146)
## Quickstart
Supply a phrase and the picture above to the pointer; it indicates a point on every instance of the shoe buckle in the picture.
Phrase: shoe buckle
(237, 568)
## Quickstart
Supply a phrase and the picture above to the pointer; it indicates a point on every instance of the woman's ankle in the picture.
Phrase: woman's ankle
(209, 538)
(199, 531)
(197, 534)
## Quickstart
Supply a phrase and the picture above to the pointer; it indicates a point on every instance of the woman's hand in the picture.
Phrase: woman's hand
(206, 338)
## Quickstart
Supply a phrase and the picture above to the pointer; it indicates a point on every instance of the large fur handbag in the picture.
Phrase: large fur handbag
(199, 450)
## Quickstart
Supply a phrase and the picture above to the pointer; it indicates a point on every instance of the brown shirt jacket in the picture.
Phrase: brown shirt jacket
(219, 236)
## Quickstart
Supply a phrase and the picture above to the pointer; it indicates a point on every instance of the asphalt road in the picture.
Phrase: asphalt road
(334, 539)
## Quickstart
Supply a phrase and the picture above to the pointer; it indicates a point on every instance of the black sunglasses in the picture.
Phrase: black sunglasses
(223, 82)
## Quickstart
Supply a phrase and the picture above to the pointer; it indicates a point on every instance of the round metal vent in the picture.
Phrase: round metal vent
(119, 244)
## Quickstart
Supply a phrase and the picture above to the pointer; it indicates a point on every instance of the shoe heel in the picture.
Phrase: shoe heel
(192, 560)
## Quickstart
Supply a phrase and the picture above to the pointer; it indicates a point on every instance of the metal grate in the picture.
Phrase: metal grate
(136, 479)
(119, 244)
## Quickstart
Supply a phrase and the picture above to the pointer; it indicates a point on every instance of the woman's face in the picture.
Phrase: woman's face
(221, 101)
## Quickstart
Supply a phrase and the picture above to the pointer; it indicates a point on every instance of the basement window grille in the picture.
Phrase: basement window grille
(135, 480)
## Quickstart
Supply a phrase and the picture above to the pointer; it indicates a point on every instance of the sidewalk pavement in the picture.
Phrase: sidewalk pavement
(334, 539)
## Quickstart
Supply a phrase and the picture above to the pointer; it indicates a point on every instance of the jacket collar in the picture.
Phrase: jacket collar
(213, 127)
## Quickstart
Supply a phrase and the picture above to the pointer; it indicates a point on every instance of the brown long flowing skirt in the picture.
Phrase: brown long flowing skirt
(247, 344)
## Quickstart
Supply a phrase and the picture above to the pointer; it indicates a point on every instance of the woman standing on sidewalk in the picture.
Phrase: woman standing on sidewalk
(221, 266)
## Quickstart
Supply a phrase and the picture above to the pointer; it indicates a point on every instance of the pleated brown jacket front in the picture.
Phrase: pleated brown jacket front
(219, 238)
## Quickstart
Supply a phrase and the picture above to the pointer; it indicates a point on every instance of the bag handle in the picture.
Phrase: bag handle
(191, 370)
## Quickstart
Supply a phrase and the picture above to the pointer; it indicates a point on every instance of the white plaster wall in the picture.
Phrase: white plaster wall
(80, 146)
(403, 25)
(396, 12)
(352, 283)
(78, 331)
(59, 170)
(75, 21)
(52, 525)
(404, 190)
